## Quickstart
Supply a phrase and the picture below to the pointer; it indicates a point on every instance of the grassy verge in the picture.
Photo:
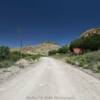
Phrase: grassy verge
(31, 56)
(60, 56)
(15, 56)
(89, 60)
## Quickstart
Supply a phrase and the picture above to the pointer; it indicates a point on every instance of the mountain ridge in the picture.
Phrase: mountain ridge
(42, 48)
(91, 32)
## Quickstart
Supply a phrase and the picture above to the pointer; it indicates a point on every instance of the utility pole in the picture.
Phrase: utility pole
(21, 42)
(21, 46)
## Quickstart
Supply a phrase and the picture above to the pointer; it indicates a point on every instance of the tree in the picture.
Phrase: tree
(78, 43)
(92, 42)
(87, 43)
(4, 52)
(15, 55)
(63, 49)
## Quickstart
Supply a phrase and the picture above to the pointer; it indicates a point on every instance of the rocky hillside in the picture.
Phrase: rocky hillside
(91, 32)
(42, 48)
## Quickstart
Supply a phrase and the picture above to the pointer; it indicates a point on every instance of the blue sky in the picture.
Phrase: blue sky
(60, 21)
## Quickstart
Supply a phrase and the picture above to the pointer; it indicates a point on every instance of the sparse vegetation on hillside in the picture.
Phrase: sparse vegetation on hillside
(91, 32)
(41, 49)
(31, 57)
(8, 58)
(51, 42)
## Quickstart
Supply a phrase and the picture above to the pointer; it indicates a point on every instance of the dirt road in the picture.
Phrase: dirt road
(51, 79)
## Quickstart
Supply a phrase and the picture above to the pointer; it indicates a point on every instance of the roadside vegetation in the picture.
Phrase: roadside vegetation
(90, 43)
(90, 56)
(8, 58)
(90, 60)
(62, 50)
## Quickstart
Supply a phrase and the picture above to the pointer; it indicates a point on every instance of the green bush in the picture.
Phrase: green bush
(89, 43)
(34, 57)
(92, 42)
(8, 58)
(15, 55)
(63, 50)
(30, 56)
(4, 52)
(52, 52)
(89, 60)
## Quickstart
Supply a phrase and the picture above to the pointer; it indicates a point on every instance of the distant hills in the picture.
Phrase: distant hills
(45, 47)
(42, 48)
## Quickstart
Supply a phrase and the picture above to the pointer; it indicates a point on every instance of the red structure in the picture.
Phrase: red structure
(77, 50)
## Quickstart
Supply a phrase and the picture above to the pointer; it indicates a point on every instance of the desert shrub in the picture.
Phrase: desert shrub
(8, 58)
(4, 52)
(95, 68)
(15, 55)
(89, 60)
(63, 49)
(34, 57)
(78, 60)
(52, 52)
(31, 56)
(6, 63)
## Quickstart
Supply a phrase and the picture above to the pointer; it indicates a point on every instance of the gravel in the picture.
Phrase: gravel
(7, 73)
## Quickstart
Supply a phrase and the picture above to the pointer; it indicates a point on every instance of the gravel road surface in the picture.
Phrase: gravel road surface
(51, 79)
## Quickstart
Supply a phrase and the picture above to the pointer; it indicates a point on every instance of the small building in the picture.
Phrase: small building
(77, 51)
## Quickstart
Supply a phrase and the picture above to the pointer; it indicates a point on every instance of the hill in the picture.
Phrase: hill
(42, 48)
(91, 32)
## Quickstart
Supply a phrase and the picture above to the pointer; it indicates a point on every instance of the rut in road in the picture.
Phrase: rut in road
(51, 79)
